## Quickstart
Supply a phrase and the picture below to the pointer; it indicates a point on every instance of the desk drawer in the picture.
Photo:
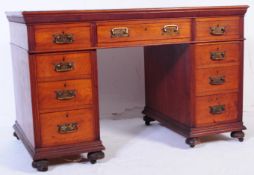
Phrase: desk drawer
(216, 109)
(62, 37)
(171, 30)
(71, 94)
(215, 80)
(220, 28)
(217, 54)
(69, 127)
(63, 66)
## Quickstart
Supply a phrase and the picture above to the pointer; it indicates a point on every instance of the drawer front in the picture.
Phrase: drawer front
(63, 66)
(71, 94)
(62, 37)
(215, 80)
(218, 54)
(220, 28)
(216, 109)
(69, 127)
(171, 30)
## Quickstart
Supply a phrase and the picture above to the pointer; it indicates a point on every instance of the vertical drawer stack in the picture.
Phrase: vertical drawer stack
(217, 71)
(66, 89)
(65, 97)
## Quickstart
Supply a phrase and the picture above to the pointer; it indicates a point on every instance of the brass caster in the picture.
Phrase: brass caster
(93, 161)
(147, 120)
(15, 135)
(238, 135)
(94, 156)
(192, 142)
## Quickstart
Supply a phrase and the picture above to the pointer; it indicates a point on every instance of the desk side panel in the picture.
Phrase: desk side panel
(22, 90)
(22, 84)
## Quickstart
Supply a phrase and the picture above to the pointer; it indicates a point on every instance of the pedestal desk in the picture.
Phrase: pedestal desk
(193, 73)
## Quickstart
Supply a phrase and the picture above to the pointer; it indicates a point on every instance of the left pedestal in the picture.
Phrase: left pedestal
(55, 91)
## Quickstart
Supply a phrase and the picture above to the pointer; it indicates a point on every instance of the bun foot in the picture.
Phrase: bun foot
(148, 120)
(40, 165)
(15, 135)
(192, 142)
(238, 135)
(94, 156)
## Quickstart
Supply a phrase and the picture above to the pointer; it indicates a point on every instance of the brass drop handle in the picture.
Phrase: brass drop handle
(217, 80)
(119, 32)
(218, 30)
(63, 38)
(171, 29)
(217, 56)
(65, 94)
(218, 109)
(67, 128)
(64, 66)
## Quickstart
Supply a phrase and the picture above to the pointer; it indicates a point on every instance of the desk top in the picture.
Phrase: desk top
(31, 17)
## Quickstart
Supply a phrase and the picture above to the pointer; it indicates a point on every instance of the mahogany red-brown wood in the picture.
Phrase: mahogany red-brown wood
(84, 119)
(202, 43)
(143, 32)
(80, 66)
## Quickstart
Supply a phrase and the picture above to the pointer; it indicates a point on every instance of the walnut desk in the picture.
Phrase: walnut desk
(193, 71)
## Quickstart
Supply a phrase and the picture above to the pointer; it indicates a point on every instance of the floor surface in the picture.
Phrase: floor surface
(135, 149)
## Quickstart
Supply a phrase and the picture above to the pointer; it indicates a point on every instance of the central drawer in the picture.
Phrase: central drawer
(143, 31)
(68, 127)
(63, 95)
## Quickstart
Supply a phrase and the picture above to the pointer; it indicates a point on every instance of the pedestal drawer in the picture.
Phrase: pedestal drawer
(63, 66)
(217, 54)
(218, 28)
(68, 127)
(62, 95)
(54, 37)
(216, 109)
(216, 80)
(124, 32)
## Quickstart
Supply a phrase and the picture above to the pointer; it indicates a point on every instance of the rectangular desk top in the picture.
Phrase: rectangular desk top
(30, 17)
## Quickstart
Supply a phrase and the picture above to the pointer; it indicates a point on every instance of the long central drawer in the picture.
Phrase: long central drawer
(143, 31)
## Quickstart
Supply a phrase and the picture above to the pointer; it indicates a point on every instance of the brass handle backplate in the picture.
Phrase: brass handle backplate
(64, 66)
(171, 29)
(119, 32)
(67, 128)
(216, 56)
(65, 94)
(217, 30)
(218, 109)
(217, 80)
(63, 38)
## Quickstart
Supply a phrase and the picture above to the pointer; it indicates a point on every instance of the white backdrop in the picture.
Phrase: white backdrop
(121, 72)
